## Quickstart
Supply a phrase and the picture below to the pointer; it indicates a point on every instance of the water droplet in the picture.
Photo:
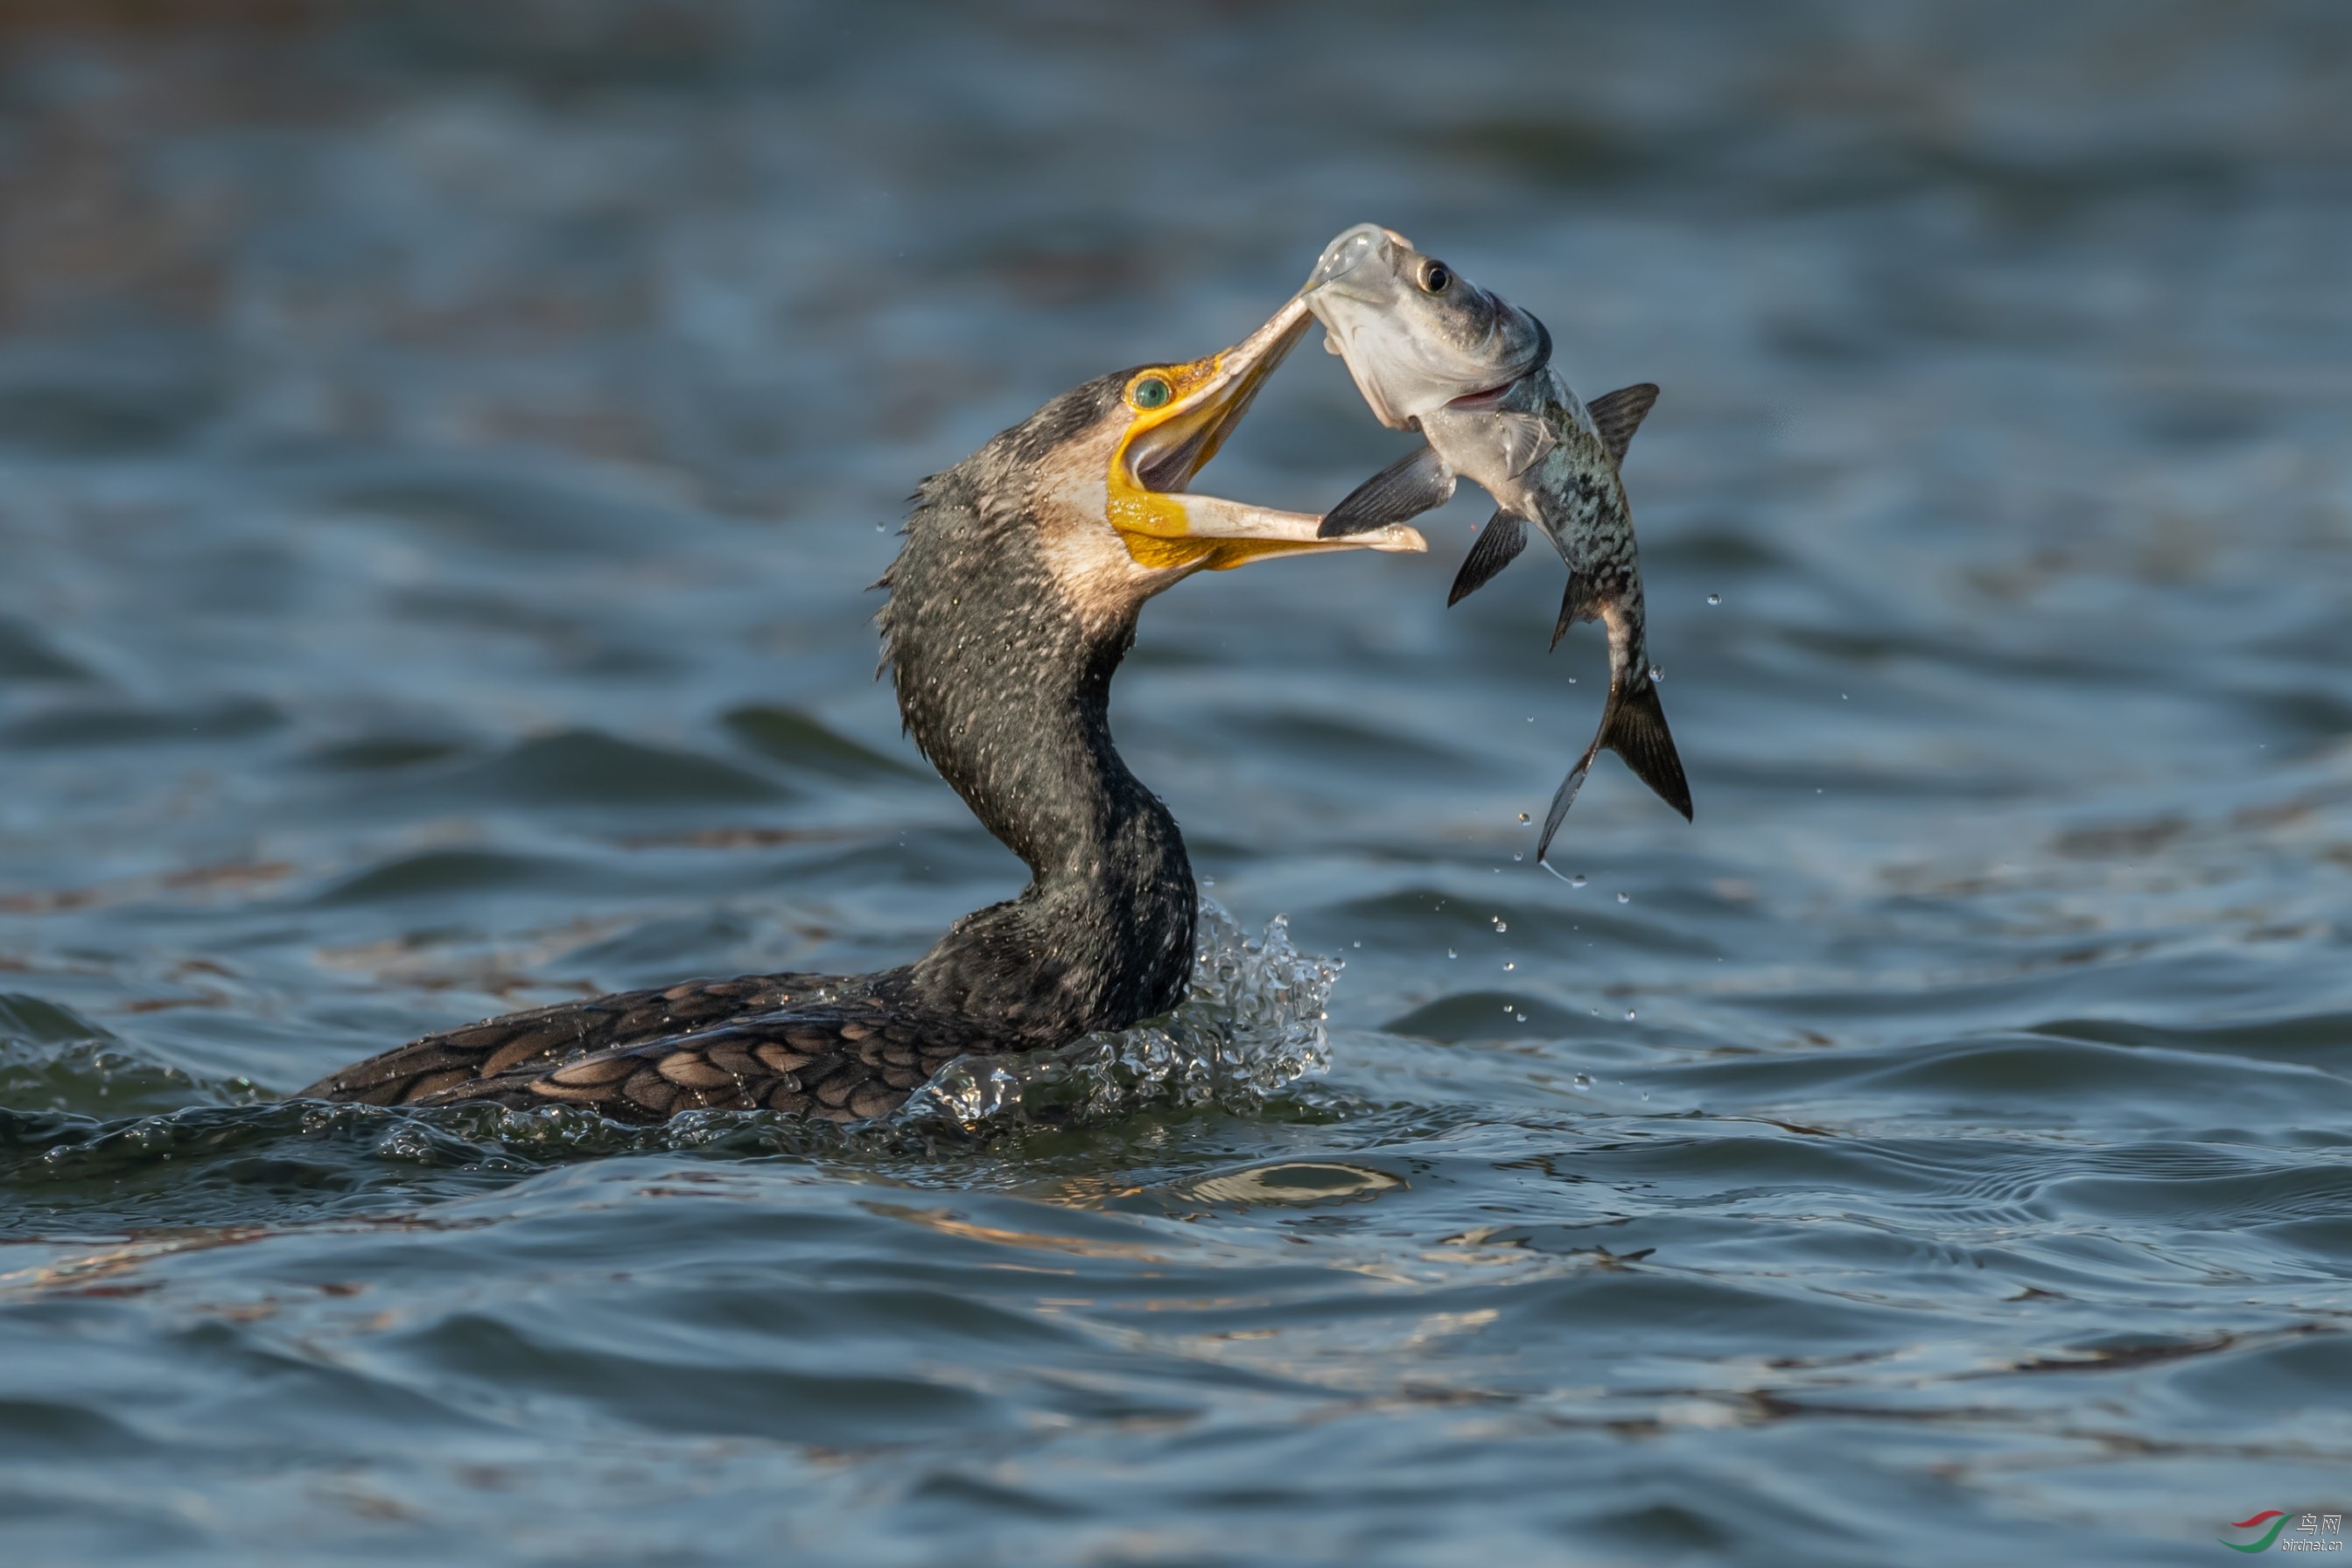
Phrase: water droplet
(1518, 854)
(1510, 963)
(1714, 598)
(1506, 1007)
(1656, 674)
(1645, 1094)
(881, 528)
(1356, 944)
(1522, 1017)
(1629, 1014)
(1577, 880)
(1572, 680)
(1582, 1082)
(1451, 954)
(1523, 816)
(1624, 897)
(1499, 926)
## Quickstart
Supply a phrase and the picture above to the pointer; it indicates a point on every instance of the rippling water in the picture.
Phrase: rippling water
(443, 451)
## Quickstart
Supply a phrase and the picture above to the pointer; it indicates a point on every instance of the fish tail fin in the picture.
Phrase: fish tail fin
(1495, 549)
(1562, 799)
(1635, 728)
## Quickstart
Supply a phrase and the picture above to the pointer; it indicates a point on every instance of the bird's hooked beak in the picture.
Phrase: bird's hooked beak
(1178, 417)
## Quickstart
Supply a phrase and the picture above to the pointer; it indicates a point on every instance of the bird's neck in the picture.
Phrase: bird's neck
(1007, 691)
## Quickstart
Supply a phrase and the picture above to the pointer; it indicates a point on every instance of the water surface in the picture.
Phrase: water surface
(443, 454)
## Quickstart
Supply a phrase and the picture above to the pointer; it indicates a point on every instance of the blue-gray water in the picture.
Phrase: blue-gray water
(443, 453)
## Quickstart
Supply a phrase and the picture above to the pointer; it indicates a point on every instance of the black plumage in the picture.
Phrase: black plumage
(1002, 656)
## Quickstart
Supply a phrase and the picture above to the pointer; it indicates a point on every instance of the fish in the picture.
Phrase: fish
(1433, 352)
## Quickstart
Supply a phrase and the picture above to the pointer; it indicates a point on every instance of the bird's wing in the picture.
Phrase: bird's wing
(546, 1037)
(825, 1062)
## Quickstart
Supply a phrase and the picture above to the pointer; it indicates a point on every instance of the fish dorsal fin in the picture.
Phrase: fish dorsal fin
(1617, 415)
(1497, 548)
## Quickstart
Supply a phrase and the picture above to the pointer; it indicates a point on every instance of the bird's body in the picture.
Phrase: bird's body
(1012, 603)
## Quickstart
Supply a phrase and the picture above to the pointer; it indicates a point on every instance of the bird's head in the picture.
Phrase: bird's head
(1110, 465)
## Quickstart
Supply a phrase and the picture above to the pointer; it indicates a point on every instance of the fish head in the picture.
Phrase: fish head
(1416, 334)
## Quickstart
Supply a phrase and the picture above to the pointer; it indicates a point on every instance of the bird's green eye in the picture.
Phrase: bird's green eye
(1151, 391)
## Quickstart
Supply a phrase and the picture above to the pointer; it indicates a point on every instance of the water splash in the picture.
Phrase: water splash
(1252, 1024)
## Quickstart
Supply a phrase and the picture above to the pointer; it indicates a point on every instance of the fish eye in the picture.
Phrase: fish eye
(1435, 277)
(1151, 391)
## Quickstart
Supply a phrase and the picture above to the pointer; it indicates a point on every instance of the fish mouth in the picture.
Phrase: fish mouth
(1486, 399)
(1537, 360)
(1344, 258)
(1149, 502)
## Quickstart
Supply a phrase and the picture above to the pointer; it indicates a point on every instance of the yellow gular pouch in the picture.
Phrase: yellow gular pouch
(1151, 523)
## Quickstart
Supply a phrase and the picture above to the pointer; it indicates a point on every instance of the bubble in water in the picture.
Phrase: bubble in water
(1624, 897)
(1356, 944)
(1577, 880)
(1517, 855)
(1629, 1014)
(1714, 598)
(1499, 927)
(1508, 1007)
(1523, 816)
(1451, 954)
(1522, 1017)
(1582, 1082)
(1508, 964)
(1645, 1094)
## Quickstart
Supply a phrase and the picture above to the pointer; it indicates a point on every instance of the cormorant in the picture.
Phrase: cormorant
(1011, 603)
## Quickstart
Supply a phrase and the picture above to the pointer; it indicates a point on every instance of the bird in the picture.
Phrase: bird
(1013, 599)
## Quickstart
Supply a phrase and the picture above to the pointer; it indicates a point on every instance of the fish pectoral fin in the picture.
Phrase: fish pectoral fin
(1522, 439)
(1580, 601)
(1617, 415)
(1405, 488)
(1495, 549)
